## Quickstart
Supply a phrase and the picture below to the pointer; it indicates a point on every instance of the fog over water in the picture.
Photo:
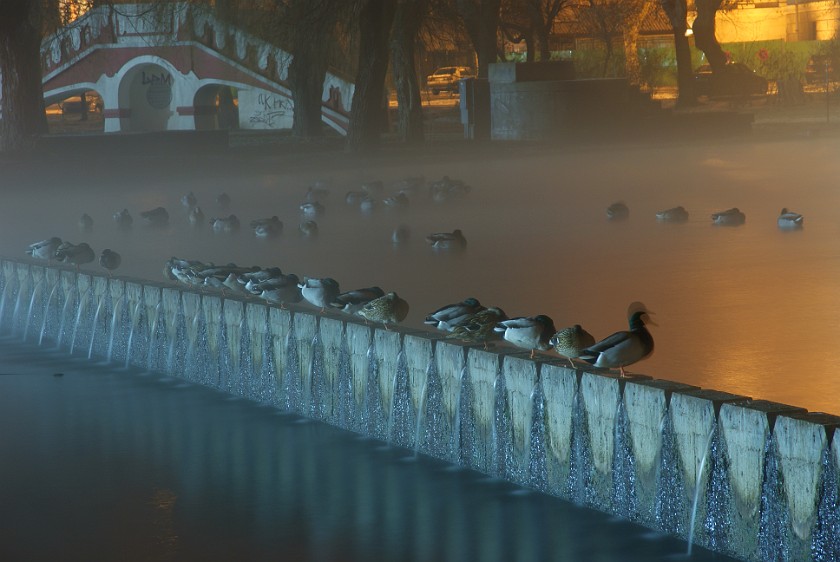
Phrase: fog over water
(751, 309)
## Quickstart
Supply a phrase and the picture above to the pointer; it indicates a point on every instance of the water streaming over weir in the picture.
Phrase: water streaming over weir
(749, 478)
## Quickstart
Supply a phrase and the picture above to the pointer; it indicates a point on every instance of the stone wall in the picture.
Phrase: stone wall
(750, 478)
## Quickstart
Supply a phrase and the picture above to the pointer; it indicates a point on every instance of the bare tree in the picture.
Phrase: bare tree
(481, 20)
(407, 22)
(704, 33)
(633, 14)
(542, 14)
(22, 116)
(366, 112)
(676, 11)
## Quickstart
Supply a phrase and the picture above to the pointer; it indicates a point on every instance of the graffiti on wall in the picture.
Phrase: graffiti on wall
(269, 109)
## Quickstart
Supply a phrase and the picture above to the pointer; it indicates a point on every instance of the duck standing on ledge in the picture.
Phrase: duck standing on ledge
(623, 348)
(570, 342)
(528, 332)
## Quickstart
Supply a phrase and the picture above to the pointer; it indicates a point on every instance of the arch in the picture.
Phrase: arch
(80, 103)
(216, 107)
(147, 94)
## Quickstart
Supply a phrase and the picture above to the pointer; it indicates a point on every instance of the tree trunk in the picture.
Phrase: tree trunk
(704, 33)
(22, 115)
(403, 41)
(630, 37)
(481, 20)
(366, 111)
(676, 11)
(311, 40)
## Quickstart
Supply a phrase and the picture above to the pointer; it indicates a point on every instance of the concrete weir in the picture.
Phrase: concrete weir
(753, 479)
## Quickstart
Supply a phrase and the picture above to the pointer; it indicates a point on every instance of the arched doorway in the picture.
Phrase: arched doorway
(146, 91)
(216, 107)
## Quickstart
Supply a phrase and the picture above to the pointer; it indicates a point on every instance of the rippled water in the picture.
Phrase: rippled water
(104, 463)
(749, 310)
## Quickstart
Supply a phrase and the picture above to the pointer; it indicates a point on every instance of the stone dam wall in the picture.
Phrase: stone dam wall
(750, 478)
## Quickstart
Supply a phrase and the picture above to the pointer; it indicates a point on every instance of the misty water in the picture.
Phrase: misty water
(751, 310)
(107, 463)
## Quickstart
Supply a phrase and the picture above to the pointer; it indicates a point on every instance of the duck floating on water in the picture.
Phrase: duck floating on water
(618, 211)
(156, 217)
(790, 220)
(123, 219)
(625, 347)
(447, 240)
(729, 217)
(674, 215)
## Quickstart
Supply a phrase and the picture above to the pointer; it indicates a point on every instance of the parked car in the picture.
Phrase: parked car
(446, 79)
(820, 69)
(735, 79)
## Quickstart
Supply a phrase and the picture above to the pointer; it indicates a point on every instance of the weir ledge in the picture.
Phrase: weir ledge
(749, 478)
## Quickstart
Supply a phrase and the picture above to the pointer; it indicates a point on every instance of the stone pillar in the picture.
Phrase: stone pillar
(279, 324)
(332, 337)
(559, 385)
(450, 363)
(800, 443)
(484, 368)
(520, 375)
(359, 338)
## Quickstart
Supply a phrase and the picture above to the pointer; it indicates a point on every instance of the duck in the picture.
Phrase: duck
(528, 332)
(625, 347)
(388, 309)
(351, 301)
(319, 292)
(447, 240)
(374, 188)
(123, 219)
(317, 191)
(156, 217)
(618, 211)
(367, 204)
(729, 217)
(570, 342)
(400, 235)
(354, 197)
(674, 215)
(400, 200)
(311, 209)
(281, 290)
(223, 200)
(196, 216)
(308, 229)
(110, 260)
(266, 228)
(455, 314)
(479, 328)
(189, 200)
(789, 219)
(229, 223)
(447, 188)
(85, 223)
(75, 254)
(44, 249)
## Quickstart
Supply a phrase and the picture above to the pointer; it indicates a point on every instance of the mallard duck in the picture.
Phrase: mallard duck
(110, 260)
(44, 249)
(729, 217)
(228, 224)
(85, 223)
(618, 211)
(189, 200)
(674, 214)
(570, 342)
(308, 229)
(351, 301)
(156, 217)
(479, 328)
(319, 292)
(623, 348)
(75, 254)
(266, 228)
(789, 219)
(388, 309)
(311, 209)
(223, 200)
(354, 197)
(367, 204)
(446, 317)
(317, 191)
(447, 240)
(400, 235)
(528, 332)
(196, 216)
(447, 188)
(400, 200)
(123, 219)
(282, 289)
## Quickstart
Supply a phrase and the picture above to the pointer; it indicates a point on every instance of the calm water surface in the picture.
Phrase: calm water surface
(749, 310)
(108, 464)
